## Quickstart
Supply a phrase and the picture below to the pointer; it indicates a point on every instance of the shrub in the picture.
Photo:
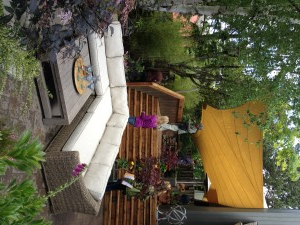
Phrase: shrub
(186, 87)
(147, 174)
(49, 25)
(15, 61)
(157, 36)
(20, 202)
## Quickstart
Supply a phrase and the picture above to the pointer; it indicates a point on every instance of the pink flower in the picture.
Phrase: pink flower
(78, 169)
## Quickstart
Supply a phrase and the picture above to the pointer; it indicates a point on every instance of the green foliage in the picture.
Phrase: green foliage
(25, 155)
(132, 65)
(282, 192)
(252, 58)
(186, 87)
(123, 163)
(157, 37)
(19, 200)
(20, 204)
(288, 160)
(188, 144)
(15, 60)
(199, 172)
(52, 24)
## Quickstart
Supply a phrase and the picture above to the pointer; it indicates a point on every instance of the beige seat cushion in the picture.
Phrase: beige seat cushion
(119, 100)
(90, 130)
(112, 135)
(118, 120)
(105, 154)
(96, 179)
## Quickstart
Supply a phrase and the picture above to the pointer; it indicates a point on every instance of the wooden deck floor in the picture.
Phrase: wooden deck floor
(136, 143)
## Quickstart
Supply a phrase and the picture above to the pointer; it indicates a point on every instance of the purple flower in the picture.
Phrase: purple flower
(78, 169)
(65, 16)
(118, 2)
(75, 173)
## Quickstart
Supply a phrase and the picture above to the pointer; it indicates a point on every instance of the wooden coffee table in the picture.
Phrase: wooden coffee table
(64, 101)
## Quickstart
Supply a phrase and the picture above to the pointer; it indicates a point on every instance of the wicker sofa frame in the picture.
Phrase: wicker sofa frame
(57, 169)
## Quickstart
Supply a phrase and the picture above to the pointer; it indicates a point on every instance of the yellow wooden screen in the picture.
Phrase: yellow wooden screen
(231, 151)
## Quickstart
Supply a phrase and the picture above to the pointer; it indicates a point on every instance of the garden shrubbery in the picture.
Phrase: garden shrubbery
(157, 36)
(19, 200)
(16, 61)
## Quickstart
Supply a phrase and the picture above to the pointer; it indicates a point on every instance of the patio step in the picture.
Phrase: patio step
(136, 143)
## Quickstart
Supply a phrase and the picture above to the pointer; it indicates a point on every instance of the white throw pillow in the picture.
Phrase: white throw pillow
(113, 40)
(98, 62)
(116, 71)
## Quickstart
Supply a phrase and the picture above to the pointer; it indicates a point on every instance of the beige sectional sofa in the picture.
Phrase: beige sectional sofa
(97, 137)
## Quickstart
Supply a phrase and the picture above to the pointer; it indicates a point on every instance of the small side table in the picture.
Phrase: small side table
(79, 76)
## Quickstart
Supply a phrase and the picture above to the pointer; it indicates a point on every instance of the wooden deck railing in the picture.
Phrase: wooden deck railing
(136, 143)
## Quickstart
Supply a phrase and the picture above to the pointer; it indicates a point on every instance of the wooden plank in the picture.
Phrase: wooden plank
(137, 143)
(124, 210)
(55, 121)
(134, 137)
(148, 212)
(139, 214)
(146, 135)
(129, 94)
(123, 143)
(157, 87)
(152, 132)
(175, 110)
(118, 207)
(107, 207)
(153, 205)
(144, 213)
(113, 209)
(44, 96)
(132, 212)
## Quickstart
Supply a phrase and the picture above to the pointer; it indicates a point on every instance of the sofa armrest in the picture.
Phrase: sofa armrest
(57, 170)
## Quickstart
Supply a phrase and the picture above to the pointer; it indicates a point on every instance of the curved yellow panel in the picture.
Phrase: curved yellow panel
(231, 150)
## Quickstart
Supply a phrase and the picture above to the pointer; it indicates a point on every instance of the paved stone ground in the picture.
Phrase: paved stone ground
(15, 113)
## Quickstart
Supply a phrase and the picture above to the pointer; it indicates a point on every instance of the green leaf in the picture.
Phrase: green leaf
(5, 19)
(2, 167)
(9, 9)
(24, 139)
(11, 184)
